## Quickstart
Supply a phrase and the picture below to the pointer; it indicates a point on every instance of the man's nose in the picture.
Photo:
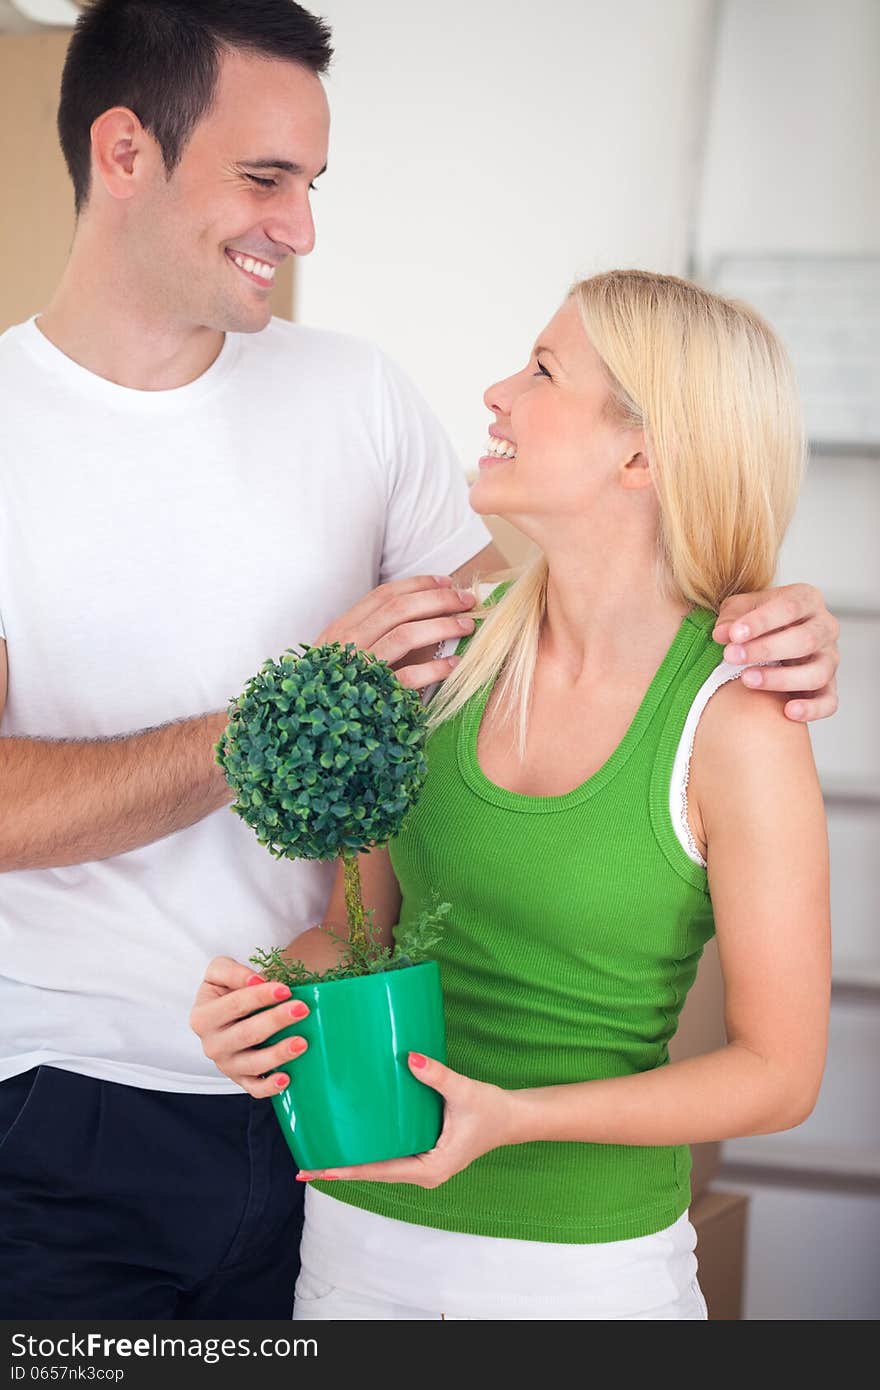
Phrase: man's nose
(293, 225)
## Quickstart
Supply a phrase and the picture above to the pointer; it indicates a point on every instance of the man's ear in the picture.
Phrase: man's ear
(635, 473)
(122, 151)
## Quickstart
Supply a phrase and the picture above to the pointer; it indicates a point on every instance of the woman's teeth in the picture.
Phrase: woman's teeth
(265, 272)
(501, 448)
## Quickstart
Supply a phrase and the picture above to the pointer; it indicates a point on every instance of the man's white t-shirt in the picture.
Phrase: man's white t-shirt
(155, 548)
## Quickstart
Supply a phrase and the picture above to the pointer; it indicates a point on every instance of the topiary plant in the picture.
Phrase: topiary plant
(325, 752)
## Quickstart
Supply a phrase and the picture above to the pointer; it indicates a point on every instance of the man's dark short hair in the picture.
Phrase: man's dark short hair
(161, 59)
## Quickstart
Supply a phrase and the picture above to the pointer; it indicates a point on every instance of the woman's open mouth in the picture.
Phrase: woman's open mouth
(498, 451)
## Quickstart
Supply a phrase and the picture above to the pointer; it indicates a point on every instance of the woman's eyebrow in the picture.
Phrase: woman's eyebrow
(542, 347)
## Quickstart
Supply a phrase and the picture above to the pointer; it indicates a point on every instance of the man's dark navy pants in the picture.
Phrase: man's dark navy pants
(117, 1202)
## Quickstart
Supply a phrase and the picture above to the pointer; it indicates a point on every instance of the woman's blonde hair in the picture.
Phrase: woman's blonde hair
(711, 386)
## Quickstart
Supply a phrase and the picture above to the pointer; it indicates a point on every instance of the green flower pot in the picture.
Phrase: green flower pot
(352, 1097)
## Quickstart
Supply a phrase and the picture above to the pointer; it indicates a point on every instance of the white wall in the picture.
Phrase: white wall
(793, 152)
(794, 138)
(484, 153)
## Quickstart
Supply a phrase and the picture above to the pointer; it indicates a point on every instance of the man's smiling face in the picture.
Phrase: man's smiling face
(209, 239)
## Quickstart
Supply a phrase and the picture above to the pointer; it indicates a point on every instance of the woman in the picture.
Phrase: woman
(593, 816)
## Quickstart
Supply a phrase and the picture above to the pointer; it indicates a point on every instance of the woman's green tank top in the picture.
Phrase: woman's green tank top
(577, 925)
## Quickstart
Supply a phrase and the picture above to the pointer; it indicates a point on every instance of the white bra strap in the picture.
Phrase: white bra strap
(678, 803)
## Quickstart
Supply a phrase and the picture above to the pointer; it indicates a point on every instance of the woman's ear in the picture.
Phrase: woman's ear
(636, 472)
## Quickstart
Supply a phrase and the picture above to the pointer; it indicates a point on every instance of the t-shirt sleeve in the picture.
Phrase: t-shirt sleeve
(429, 527)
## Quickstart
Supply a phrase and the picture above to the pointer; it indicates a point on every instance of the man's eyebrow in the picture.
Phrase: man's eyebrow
(286, 165)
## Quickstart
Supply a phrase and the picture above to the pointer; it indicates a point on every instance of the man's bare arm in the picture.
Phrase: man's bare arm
(73, 801)
(70, 802)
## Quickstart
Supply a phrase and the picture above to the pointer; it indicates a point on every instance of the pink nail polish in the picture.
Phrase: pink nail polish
(281, 1081)
(417, 1060)
(256, 980)
(281, 992)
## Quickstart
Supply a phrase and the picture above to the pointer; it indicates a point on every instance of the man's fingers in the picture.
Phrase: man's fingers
(427, 672)
(396, 611)
(820, 706)
(401, 588)
(378, 632)
(383, 593)
(745, 616)
(411, 637)
(412, 593)
(807, 678)
(798, 643)
(733, 608)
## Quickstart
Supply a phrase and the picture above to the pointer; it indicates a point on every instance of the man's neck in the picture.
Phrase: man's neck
(103, 329)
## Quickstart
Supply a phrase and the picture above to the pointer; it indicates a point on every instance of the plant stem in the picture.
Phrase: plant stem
(354, 903)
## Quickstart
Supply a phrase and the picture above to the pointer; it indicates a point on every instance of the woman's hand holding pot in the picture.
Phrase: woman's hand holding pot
(235, 1012)
(477, 1117)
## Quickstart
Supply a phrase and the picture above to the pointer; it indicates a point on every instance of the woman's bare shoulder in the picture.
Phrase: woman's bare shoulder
(740, 712)
(745, 750)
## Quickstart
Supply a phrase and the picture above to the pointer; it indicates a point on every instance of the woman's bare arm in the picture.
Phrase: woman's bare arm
(755, 791)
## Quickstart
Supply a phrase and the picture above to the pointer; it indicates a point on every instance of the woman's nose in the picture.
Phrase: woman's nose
(497, 397)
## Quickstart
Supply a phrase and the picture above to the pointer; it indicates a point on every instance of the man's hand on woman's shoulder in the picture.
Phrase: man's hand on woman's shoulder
(404, 622)
(790, 625)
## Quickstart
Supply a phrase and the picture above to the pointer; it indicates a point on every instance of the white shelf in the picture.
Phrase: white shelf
(827, 449)
(856, 974)
(855, 989)
(847, 612)
(849, 792)
(819, 1161)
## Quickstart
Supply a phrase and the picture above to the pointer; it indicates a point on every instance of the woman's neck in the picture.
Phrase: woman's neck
(604, 605)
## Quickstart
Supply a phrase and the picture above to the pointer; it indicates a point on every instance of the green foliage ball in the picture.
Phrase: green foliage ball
(325, 752)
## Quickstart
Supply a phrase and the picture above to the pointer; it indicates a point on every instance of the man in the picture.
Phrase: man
(188, 488)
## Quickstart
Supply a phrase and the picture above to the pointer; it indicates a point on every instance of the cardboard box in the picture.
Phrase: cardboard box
(720, 1220)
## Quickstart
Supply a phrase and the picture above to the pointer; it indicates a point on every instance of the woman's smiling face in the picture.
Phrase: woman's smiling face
(556, 448)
